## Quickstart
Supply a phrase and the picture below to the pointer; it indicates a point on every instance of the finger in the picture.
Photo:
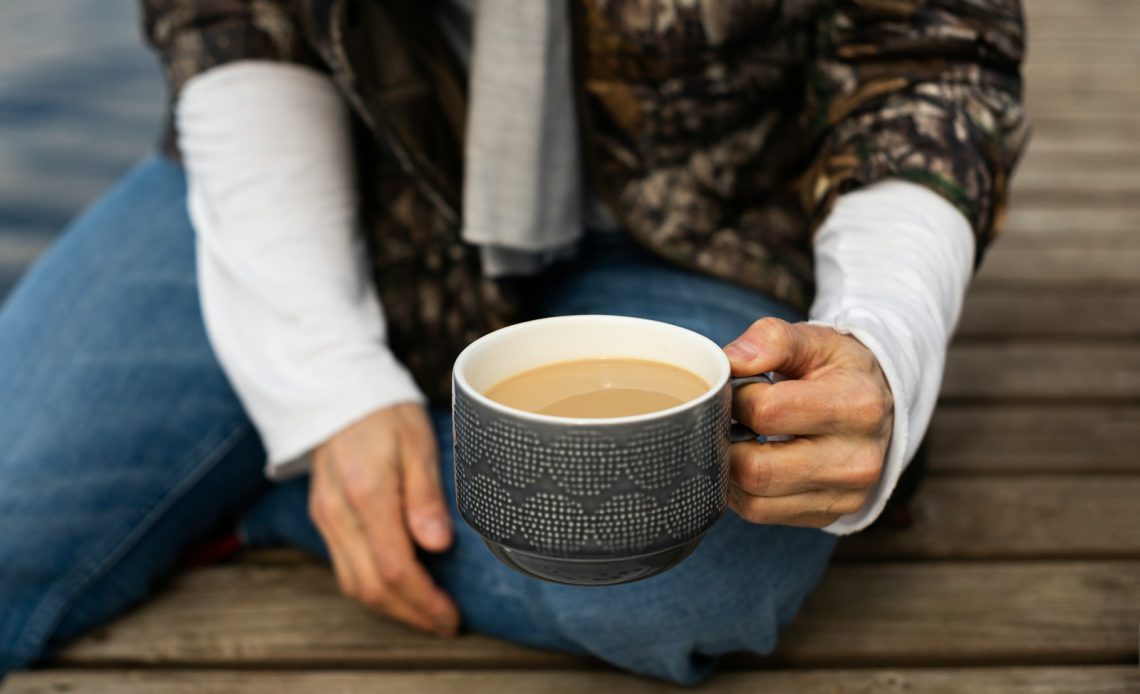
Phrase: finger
(375, 498)
(345, 576)
(815, 509)
(356, 547)
(803, 465)
(840, 403)
(771, 344)
(796, 408)
(425, 508)
(321, 513)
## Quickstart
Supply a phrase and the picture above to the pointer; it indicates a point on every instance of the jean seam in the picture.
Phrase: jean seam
(51, 606)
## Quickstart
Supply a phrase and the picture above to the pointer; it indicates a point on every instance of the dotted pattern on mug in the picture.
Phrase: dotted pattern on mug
(601, 489)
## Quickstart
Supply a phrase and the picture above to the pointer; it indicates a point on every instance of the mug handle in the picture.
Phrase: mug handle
(738, 432)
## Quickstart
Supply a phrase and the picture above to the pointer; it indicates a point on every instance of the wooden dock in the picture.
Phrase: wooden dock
(1020, 572)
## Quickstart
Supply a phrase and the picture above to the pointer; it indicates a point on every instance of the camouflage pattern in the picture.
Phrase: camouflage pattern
(719, 131)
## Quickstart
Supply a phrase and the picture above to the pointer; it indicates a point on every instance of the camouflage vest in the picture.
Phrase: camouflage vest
(719, 131)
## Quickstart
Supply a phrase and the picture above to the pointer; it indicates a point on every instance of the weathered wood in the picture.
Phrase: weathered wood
(1086, 225)
(1011, 516)
(1086, 176)
(1048, 50)
(289, 616)
(1050, 312)
(1088, 133)
(1061, 267)
(1059, 372)
(1042, 680)
(1084, 439)
(1078, 76)
(953, 612)
(878, 614)
(1045, 100)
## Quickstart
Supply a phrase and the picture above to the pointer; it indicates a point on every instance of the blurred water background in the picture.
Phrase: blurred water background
(81, 99)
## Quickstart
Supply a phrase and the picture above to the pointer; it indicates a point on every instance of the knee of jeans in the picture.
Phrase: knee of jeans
(733, 594)
(668, 627)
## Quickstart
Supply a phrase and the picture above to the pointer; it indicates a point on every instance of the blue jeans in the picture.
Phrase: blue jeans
(122, 443)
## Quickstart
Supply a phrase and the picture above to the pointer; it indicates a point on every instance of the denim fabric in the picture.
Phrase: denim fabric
(123, 444)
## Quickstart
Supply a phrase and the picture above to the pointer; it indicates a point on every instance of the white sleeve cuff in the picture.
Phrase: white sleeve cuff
(291, 437)
(286, 296)
(893, 262)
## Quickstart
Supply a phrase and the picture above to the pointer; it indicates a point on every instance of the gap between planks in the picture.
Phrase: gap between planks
(1040, 680)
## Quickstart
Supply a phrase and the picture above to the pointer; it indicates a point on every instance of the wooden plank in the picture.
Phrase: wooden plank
(1046, 100)
(284, 615)
(1040, 680)
(1085, 439)
(954, 612)
(1112, 134)
(1085, 176)
(1086, 225)
(1086, 8)
(994, 516)
(1010, 516)
(1081, 76)
(1046, 49)
(874, 614)
(1050, 312)
(1013, 516)
(1057, 267)
(1061, 372)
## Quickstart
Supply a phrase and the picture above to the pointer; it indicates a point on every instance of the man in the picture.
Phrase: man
(725, 166)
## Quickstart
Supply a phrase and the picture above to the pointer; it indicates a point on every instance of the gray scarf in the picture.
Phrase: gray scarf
(523, 189)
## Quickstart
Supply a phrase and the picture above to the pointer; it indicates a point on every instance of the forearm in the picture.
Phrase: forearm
(285, 294)
(892, 265)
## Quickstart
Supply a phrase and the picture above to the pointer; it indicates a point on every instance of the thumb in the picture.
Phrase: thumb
(425, 508)
(771, 344)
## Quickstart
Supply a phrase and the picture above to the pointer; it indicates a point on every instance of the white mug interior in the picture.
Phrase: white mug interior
(524, 346)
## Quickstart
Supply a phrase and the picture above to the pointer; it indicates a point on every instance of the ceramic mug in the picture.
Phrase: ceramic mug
(591, 501)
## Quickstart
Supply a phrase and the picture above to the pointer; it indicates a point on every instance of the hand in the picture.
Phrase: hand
(375, 489)
(839, 408)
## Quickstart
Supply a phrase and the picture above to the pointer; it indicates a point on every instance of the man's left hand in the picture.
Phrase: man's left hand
(838, 406)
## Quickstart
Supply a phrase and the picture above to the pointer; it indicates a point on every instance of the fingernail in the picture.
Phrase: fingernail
(434, 531)
(741, 350)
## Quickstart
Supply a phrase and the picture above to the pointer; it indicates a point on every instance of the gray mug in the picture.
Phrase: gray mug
(591, 501)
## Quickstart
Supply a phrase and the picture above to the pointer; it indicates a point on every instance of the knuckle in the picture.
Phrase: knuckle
(758, 411)
(372, 595)
(866, 468)
(755, 476)
(832, 411)
(868, 409)
(359, 495)
(394, 574)
(850, 504)
(772, 330)
(886, 397)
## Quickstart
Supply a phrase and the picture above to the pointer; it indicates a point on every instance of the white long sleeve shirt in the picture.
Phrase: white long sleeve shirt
(291, 315)
(286, 298)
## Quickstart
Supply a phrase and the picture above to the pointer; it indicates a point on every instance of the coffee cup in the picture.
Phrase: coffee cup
(591, 501)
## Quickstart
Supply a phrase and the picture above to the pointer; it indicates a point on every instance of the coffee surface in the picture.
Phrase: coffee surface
(598, 388)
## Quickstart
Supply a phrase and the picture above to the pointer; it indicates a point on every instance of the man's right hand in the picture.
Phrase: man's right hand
(375, 491)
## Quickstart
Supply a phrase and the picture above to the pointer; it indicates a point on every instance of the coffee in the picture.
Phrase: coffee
(598, 388)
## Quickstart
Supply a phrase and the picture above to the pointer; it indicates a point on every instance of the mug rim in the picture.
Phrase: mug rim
(459, 379)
